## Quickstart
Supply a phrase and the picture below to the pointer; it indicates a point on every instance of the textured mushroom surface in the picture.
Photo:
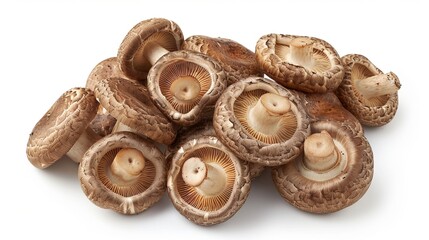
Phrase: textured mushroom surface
(131, 54)
(237, 61)
(323, 191)
(107, 68)
(130, 104)
(371, 111)
(130, 197)
(61, 126)
(222, 192)
(303, 63)
(183, 84)
(103, 123)
(284, 140)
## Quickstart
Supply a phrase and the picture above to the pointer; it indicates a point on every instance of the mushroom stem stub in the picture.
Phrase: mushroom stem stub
(265, 116)
(378, 85)
(208, 178)
(185, 88)
(301, 50)
(320, 153)
(128, 164)
(154, 51)
(86, 139)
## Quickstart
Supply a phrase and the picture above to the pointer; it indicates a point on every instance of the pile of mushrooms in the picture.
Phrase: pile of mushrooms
(198, 119)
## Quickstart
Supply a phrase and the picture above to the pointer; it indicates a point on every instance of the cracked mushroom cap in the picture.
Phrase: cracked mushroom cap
(261, 121)
(132, 54)
(334, 171)
(303, 63)
(183, 84)
(123, 172)
(107, 68)
(237, 61)
(130, 104)
(206, 182)
(204, 129)
(61, 126)
(368, 93)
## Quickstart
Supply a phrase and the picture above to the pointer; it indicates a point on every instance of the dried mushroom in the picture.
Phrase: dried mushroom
(334, 171)
(130, 104)
(183, 84)
(145, 43)
(123, 172)
(303, 63)
(206, 182)
(63, 130)
(367, 92)
(261, 122)
(237, 61)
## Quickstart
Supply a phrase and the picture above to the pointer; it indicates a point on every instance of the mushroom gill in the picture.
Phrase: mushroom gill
(359, 73)
(124, 187)
(153, 48)
(183, 84)
(197, 196)
(301, 52)
(280, 129)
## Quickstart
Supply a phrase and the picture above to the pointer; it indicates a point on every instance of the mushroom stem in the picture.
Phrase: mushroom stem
(185, 89)
(267, 113)
(208, 178)
(320, 152)
(378, 85)
(301, 50)
(86, 139)
(127, 165)
(153, 52)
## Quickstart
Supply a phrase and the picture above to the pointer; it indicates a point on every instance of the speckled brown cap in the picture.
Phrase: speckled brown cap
(105, 69)
(273, 139)
(131, 54)
(371, 110)
(103, 123)
(130, 104)
(303, 63)
(325, 191)
(183, 84)
(61, 126)
(104, 189)
(237, 61)
(221, 191)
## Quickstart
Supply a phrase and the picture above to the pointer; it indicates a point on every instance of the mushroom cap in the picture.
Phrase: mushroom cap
(324, 75)
(131, 58)
(61, 126)
(130, 104)
(332, 194)
(327, 107)
(98, 187)
(203, 71)
(103, 122)
(234, 133)
(208, 210)
(203, 129)
(105, 69)
(237, 61)
(375, 112)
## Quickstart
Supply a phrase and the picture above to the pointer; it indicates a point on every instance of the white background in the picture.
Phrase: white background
(47, 48)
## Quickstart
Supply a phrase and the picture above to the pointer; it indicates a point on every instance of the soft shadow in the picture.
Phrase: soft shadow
(64, 169)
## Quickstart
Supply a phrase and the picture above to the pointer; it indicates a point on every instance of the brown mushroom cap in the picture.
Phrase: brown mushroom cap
(220, 202)
(103, 122)
(374, 111)
(237, 61)
(131, 54)
(61, 126)
(303, 63)
(327, 191)
(103, 189)
(234, 130)
(182, 84)
(130, 104)
(105, 69)
(204, 129)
